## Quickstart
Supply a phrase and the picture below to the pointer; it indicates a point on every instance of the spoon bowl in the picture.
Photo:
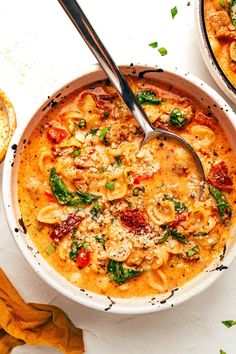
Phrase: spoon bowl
(94, 43)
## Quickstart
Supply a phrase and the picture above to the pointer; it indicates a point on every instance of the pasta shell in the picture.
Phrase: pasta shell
(50, 214)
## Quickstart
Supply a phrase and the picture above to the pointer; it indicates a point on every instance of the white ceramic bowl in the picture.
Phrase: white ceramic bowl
(208, 55)
(186, 82)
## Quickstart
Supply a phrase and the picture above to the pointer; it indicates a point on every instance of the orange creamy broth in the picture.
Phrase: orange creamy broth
(143, 196)
(222, 35)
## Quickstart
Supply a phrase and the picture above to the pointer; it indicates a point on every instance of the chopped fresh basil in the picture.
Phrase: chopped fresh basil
(193, 251)
(95, 211)
(136, 191)
(64, 197)
(229, 323)
(103, 170)
(100, 239)
(104, 133)
(76, 153)
(164, 237)
(110, 185)
(105, 114)
(179, 207)
(177, 118)
(93, 131)
(222, 4)
(148, 97)
(50, 249)
(82, 123)
(179, 237)
(200, 234)
(163, 51)
(153, 44)
(224, 208)
(118, 161)
(120, 274)
(128, 203)
(174, 12)
(232, 11)
(74, 250)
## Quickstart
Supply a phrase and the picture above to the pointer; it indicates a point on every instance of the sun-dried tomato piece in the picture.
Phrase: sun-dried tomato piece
(140, 178)
(208, 121)
(63, 228)
(134, 220)
(180, 217)
(56, 135)
(219, 177)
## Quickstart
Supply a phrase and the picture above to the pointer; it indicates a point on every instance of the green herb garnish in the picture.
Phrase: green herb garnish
(179, 237)
(104, 133)
(222, 3)
(76, 153)
(224, 208)
(118, 161)
(222, 352)
(232, 11)
(74, 250)
(199, 234)
(153, 44)
(128, 203)
(120, 274)
(103, 170)
(193, 251)
(100, 239)
(174, 12)
(64, 197)
(110, 185)
(177, 118)
(95, 211)
(50, 249)
(229, 323)
(179, 207)
(163, 51)
(82, 123)
(93, 131)
(164, 237)
(136, 191)
(148, 97)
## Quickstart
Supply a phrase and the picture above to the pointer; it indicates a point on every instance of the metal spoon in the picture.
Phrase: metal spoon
(90, 37)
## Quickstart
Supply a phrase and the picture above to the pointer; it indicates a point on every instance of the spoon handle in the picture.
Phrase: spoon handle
(90, 37)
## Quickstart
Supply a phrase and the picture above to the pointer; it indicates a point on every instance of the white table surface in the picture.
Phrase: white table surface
(39, 52)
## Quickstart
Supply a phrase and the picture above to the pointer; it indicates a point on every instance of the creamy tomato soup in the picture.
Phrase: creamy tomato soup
(116, 219)
(220, 19)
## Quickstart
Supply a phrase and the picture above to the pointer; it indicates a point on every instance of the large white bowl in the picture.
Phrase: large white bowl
(200, 91)
(208, 55)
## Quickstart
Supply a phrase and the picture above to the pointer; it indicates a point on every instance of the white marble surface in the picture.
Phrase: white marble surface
(40, 51)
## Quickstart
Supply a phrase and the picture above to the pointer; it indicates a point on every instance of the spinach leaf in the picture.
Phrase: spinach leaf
(74, 250)
(104, 133)
(64, 197)
(229, 323)
(118, 161)
(177, 118)
(179, 207)
(179, 237)
(232, 11)
(224, 208)
(164, 237)
(95, 211)
(148, 97)
(193, 251)
(120, 274)
(101, 239)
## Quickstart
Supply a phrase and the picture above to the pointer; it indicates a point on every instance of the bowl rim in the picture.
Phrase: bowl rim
(12, 222)
(209, 58)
